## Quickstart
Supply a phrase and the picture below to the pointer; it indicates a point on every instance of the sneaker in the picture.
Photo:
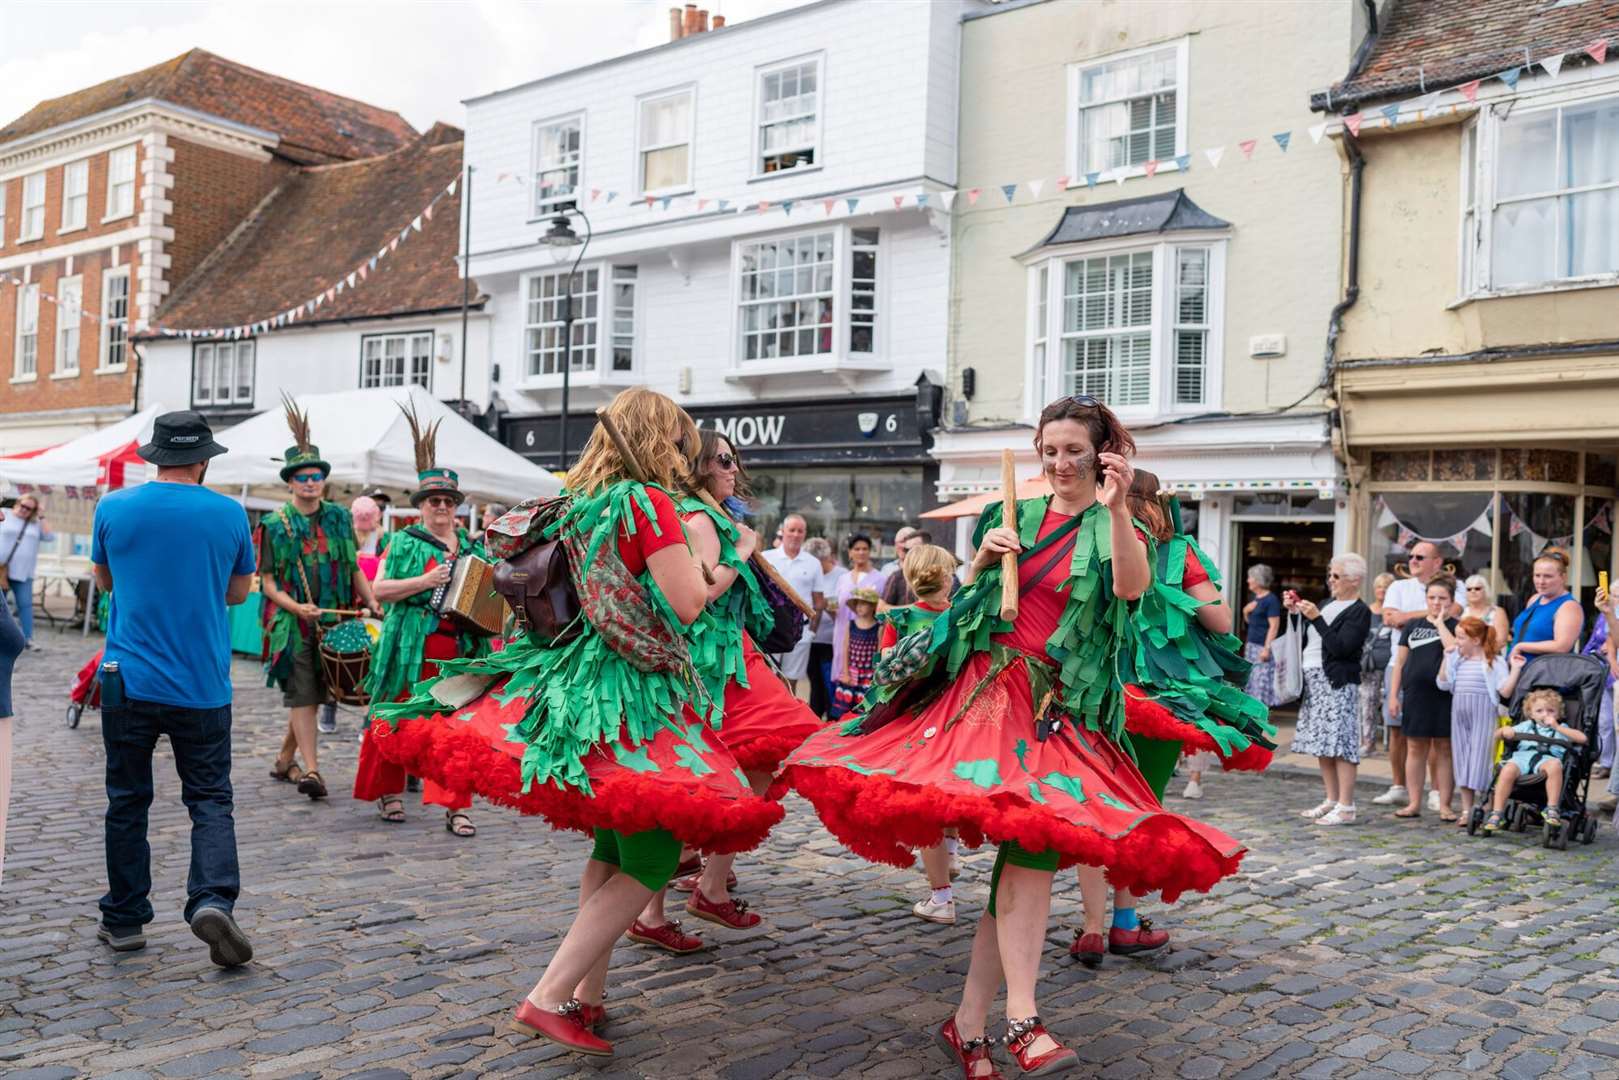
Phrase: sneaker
(1194, 790)
(326, 720)
(1433, 801)
(1495, 821)
(925, 908)
(1551, 817)
(122, 938)
(32, 647)
(1338, 815)
(227, 945)
(1317, 811)
(1395, 794)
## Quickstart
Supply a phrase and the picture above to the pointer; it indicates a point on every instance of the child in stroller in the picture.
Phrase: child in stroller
(1555, 701)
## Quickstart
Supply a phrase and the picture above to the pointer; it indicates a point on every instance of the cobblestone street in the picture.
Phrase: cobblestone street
(1390, 949)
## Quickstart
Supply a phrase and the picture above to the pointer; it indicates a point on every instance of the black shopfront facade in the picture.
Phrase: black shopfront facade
(848, 464)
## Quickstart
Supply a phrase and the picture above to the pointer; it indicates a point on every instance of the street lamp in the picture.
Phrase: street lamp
(559, 237)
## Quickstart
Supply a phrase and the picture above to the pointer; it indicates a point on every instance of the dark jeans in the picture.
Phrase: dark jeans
(200, 739)
(820, 676)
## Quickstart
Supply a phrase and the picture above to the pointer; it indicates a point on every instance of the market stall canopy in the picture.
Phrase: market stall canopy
(103, 458)
(973, 505)
(365, 437)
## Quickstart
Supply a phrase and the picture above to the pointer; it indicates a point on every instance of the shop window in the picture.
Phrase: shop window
(1464, 465)
(1600, 471)
(558, 159)
(1530, 523)
(1458, 522)
(1397, 465)
(1553, 466)
(789, 116)
(838, 502)
(1597, 540)
(1128, 110)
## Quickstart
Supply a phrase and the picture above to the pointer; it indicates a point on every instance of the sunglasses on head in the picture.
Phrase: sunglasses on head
(307, 478)
(1084, 401)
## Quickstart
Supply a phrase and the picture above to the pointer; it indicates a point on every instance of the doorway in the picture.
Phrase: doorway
(1298, 553)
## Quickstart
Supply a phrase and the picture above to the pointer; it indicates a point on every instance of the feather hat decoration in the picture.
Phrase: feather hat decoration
(302, 453)
(433, 480)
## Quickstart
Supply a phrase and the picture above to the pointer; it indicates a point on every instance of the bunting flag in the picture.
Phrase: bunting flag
(1510, 77)
(1009, 190)
(1553, 64)
(1247, 148)
(972, 196)
(1091, 178)
(1353, 122)
(851, 203)
(1469, 90)
(922, 201)
(1316, 131)
(1150, 168)
(899, 201)
(1035, 187)
(1062, 183)
(1214, 154)
(948, 198)
(1598, 50)
(829, 205)
(1391, 113)
(1183, 162)
(1282, 139)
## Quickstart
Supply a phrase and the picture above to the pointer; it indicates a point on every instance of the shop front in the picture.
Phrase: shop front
(1491, 511)
(849, 464)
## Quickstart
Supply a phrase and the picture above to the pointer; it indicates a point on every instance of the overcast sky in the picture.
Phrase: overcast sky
(419, 57)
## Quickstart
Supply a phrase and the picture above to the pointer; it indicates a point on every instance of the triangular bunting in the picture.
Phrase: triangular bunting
(1010, 191)
(787, 206)
(1035, 187)
(1552, 64)
(1247, 147)
(1598, 50)
(723, 204)
(702, 204)
(1183, 162)
(1316, 131)
(666, 200)
(1062, 183)
(453, 183)
(1353, 122)
(1091, 178)
(1151, 167)
(650, 199)
(763, 206)
(922, 201)
(350, 279)
(428, 212)
(1214, 154)
(611, 195)
(1510, 77)
(972, 196)
(899, 201)
(595, 193)
(1470, 90)
(851, 204)
(948, 198)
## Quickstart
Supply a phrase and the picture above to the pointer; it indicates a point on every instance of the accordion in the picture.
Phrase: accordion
(469, 600)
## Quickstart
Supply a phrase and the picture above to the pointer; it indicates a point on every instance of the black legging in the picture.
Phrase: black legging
(820, 657)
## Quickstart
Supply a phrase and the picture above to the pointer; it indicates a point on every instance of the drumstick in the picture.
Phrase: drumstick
(338, 611)
(761, 566)
(1009, 577)
(633, 467)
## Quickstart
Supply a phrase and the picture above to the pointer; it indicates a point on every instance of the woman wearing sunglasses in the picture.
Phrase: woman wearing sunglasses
(602, 731)
(20, 536)
(1011, 732)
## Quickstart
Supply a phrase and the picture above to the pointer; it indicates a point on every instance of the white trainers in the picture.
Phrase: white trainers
(1433, 801)
(945, 913)
(1338, 815)
(1317, 811)
(1194, 790)
(1395, 794)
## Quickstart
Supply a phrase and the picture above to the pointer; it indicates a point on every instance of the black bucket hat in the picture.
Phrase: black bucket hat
(180, 438)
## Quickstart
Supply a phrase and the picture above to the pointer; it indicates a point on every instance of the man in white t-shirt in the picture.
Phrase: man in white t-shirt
(802, 572)
(1405, 600)
(905, 538)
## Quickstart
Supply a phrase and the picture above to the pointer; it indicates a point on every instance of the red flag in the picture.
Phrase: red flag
(1247, 145)
(595, 193)
(701, 204)
(1352, 121)
(972, 196)
(1062, 183)
(828, 204)
(764, 204)
(1598, 50)
(1470, 90)
(1151, 167)
(899, 201)
(649, 202)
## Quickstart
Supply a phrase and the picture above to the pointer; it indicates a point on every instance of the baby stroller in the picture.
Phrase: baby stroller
(1580, 680)
(86, 690)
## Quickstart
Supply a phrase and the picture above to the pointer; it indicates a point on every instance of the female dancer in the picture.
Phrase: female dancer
(1009, 732)
(1183, 628)
(596, 733)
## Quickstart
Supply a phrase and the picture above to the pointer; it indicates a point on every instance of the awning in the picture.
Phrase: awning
(1033, 488)
(102, 458)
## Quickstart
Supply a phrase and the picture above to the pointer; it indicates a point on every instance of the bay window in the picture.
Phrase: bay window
(1134, 327)
(1540, 195)
(594, 347)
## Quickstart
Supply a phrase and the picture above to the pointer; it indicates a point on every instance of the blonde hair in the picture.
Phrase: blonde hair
(1550, 697)
(645, 418)
(928, 569)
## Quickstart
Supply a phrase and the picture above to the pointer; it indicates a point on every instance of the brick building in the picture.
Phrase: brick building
(112, 195)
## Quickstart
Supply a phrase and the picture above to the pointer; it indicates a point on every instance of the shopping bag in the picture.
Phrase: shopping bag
(1287, 660)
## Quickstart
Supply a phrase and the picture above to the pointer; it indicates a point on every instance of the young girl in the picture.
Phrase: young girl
(860, 654)
(1473, 672)
(929, 571)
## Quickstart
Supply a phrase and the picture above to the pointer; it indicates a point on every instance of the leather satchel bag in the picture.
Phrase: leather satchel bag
(537, 585)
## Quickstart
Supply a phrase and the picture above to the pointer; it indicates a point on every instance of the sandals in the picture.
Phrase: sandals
(391, 808)
(1405, 815)
(312, 785)
(458, 822)
(291, 773)
(1449, 819)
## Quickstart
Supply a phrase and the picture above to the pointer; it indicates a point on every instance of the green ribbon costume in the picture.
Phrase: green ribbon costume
(323, 544)
(585, 691)
(715, 636)
(396, 659)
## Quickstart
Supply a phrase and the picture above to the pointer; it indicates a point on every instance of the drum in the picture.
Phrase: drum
(345, 659)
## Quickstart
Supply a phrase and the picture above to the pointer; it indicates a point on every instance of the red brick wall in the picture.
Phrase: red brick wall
(11, 191)
(213, 192)
(88, 387)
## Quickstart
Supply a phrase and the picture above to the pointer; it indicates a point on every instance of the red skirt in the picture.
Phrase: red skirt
(376, 777)
(684, 781)
(901, 786)
(763, 721)
(1145, 717)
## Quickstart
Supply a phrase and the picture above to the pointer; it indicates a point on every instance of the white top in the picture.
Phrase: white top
(1473, 676)
(1405, 594)
(25, 536)
(1312, 639)
(802, 573)
(829, 589)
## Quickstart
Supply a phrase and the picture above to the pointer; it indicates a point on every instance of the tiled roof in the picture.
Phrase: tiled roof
(1167, 211)
(314, 125)
(320, 225)
(1431, 45)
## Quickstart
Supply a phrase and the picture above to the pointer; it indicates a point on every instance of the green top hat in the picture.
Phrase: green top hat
(436, 481)
(299, 457)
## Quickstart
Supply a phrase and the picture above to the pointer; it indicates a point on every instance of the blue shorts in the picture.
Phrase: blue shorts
(1530, 759)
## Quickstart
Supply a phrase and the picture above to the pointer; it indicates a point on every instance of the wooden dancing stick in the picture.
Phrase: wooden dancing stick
(1009, 578)
(761, 566)
(633, 467)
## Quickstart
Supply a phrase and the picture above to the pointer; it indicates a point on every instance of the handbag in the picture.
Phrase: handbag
(5, 567)
(537, 585)
(1378, 650)
(1287, 660)
(788, 627)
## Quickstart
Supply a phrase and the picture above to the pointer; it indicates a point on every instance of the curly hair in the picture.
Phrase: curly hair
(1547, 697)
(645, 418)
(928, 569)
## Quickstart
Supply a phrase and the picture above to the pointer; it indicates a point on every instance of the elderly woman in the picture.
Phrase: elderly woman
(1263, 615)
(1329, 710)
(1475, 601)
(1551, 620)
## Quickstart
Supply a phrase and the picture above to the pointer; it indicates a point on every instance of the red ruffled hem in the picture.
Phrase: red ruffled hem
(765, 754)
(625, 801)
(883, 820)
(1151, 720)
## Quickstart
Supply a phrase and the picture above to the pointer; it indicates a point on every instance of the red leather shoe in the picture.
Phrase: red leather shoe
(732, 913)
(1022, 1034)
(1087, 948)
(593, 1017)
(689, 866)
(668, 937)
(689, 882)
(972, 1054)
(564, 1027)
(1142, 939)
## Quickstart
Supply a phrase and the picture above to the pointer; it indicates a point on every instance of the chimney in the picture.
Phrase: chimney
(690, 27)
(676, 28)
(702, 21)
(719, 22)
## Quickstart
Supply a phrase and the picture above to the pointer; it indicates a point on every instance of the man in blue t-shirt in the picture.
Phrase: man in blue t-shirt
(173, 554)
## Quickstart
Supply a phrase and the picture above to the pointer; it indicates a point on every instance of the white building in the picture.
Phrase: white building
(814, 330)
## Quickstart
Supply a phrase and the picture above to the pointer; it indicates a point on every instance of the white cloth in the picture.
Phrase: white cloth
(22, 561)
(1312, 639)
(829, 589)
(1405, 594)
(802, 572)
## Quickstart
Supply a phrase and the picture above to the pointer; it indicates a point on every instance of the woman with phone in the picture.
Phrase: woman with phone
(1329, 709)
